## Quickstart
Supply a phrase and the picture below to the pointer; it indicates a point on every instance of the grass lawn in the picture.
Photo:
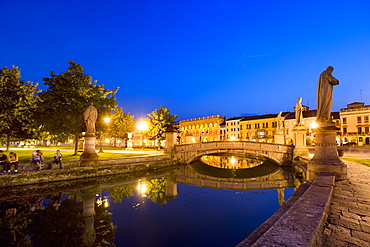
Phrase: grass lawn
(365, 162)
(24, 156)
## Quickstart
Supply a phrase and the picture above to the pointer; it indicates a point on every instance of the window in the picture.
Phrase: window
(344, 130)
(267, 125)
(358, 119)
(366, 129)
(344, 120)
(241, 127)
(360, 139)
(366, 119)
(359, 130)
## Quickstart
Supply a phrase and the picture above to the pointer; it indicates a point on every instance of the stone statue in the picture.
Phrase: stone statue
(298, 112)
(325, 95)
(279, 127)
(90, 116)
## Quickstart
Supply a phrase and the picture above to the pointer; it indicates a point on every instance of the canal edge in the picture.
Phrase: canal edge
(300, 221)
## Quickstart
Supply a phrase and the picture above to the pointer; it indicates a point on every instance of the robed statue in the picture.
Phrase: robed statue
(298, 112)
(325, 95)
(90, 116)
(279, 126)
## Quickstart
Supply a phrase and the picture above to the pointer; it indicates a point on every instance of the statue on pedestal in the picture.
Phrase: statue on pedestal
(89, 155)
(298, 112)
(325, 95)
(326, 159)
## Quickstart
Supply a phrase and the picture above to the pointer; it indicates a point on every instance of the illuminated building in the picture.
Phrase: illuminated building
(355, 125)
(202, 129)
(258, 128)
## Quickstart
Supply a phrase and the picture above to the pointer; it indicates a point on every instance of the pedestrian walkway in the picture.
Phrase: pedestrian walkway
(348, 221)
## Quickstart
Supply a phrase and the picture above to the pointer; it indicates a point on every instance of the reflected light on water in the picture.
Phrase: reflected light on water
(231, 162)
(142, 188)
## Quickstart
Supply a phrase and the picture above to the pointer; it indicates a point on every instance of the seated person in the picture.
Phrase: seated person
(13, 160)
(57, 159)
(37, 158)
(4, 161)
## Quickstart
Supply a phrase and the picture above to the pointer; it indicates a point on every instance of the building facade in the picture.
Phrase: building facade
(355, 125)
(259, 128)
(203, 129)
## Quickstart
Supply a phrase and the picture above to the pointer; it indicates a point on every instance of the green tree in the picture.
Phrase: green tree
(157, 191)
(118, 193)
(105, 229)
(67, 97)
(122, 124)
(160, 120)
(18, 101)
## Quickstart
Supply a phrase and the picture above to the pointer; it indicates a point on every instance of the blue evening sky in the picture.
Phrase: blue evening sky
(196, 57)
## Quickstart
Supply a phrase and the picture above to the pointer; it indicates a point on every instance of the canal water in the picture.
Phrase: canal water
(214, 201)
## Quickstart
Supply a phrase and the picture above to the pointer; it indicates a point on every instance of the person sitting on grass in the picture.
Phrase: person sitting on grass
(57, 159)
(4, 161)
(37, 158)
(13, 160)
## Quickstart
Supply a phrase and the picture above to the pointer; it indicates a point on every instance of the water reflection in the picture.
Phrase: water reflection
(232, 161)
(177, 206)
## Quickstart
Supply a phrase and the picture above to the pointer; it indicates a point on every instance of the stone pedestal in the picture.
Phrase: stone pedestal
(89, 154)
(171, 188)
(279, 138)
(170, 141)
(326, 159)
(129, 142)
(88, 200)
(299, 141)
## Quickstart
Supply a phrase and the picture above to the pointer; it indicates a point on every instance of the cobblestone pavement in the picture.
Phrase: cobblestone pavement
(348, 221)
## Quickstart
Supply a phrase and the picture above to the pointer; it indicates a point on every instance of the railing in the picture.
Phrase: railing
(246, 145)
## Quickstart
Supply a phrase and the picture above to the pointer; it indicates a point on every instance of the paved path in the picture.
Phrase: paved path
(348, 222)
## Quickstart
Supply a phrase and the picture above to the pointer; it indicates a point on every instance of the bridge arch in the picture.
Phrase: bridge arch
(281, 154)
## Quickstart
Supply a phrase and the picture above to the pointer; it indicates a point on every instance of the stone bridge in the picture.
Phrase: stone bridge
(281, 154)
(279, 178)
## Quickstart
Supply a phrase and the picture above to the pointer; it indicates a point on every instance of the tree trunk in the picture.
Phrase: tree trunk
(7, 142)
(76, 144)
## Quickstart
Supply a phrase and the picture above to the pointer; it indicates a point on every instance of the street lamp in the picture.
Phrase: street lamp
(142, 126)
(106, 121)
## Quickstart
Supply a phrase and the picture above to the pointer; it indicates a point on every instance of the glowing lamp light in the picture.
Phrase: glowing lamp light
(232, 138)
(142, 126)
(193, 140)
(314, 125)
(107, 120)
(102, 201)
(233, 160)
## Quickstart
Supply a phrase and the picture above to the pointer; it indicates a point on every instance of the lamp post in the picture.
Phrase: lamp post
(106, 121)
(142, 126)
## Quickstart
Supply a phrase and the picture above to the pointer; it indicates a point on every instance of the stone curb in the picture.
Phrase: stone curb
(262, 229)
(303, 222)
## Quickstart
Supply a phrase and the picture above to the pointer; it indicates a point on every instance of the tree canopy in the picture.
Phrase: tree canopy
(18, 101)
(160, 120)
(122, 123)
(68, 95)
